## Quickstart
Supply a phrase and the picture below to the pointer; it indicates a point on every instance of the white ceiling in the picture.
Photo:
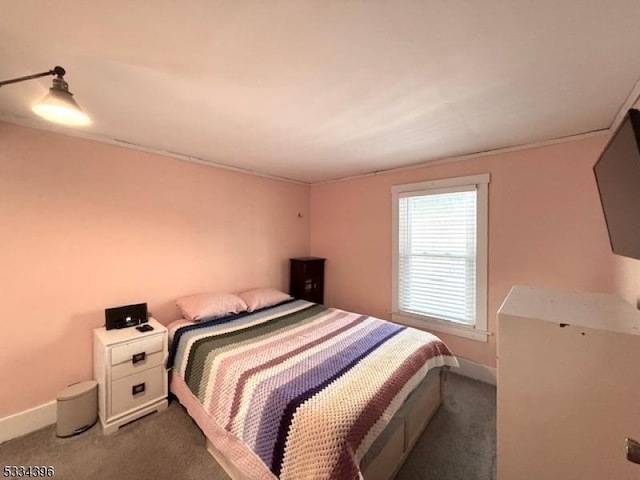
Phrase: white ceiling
(313, 90)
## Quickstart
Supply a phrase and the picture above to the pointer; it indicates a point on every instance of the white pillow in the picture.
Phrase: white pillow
(257, 298)
(206, 306)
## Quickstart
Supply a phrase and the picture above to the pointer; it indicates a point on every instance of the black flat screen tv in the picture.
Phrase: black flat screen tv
(617, 174)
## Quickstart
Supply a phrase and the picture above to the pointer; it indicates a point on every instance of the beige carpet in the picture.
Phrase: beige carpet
(459, 444)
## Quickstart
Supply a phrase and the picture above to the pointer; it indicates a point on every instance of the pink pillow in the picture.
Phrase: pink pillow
(204, 306)
(262, 297)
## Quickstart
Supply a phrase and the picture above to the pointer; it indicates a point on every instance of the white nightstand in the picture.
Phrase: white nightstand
(129, 368)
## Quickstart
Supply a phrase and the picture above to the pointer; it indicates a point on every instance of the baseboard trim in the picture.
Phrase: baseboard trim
(477, 371)
(28, 421)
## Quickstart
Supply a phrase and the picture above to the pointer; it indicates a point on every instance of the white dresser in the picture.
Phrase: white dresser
(568, 385)
(129, 368)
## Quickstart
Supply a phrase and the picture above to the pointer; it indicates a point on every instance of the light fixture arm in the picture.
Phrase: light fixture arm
(57, 70)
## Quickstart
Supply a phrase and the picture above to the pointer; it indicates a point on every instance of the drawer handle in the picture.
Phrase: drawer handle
(136, 389)
(138, 357)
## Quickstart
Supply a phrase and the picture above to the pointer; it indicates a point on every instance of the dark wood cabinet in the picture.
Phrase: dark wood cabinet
(307, 278)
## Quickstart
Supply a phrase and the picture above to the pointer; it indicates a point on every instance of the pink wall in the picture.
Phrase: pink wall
(80, 234)
(627, 279)
(546, 228)
(87, 226)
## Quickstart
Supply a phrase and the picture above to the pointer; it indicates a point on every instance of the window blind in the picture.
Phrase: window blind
(437, 254)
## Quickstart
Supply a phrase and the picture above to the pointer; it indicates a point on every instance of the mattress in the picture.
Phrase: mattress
(298, 390)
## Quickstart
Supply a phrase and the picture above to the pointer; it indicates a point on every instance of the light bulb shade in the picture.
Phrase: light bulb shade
(59, 106)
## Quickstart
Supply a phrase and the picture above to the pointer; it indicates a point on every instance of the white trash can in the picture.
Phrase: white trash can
(77, 408)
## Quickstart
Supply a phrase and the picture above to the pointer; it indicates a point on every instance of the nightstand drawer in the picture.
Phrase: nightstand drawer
(138, 364)
(126, 351)
(137, 389)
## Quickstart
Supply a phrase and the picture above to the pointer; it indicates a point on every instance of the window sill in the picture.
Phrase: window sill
(427, 323)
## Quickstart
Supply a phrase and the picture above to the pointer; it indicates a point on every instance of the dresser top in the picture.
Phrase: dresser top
(128, 334)
(600, 311)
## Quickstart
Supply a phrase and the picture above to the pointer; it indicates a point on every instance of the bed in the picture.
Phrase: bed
(300, 390)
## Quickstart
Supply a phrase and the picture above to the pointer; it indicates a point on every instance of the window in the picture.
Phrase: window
(440, 255)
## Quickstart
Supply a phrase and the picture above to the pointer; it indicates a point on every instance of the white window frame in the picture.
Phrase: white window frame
(480, 182)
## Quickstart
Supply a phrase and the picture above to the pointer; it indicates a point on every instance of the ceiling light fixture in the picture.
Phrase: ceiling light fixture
(58, 105)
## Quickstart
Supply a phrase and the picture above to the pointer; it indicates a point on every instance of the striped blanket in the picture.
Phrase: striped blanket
(299, 390)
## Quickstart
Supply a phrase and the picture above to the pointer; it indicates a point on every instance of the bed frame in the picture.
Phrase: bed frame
(389, 452)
